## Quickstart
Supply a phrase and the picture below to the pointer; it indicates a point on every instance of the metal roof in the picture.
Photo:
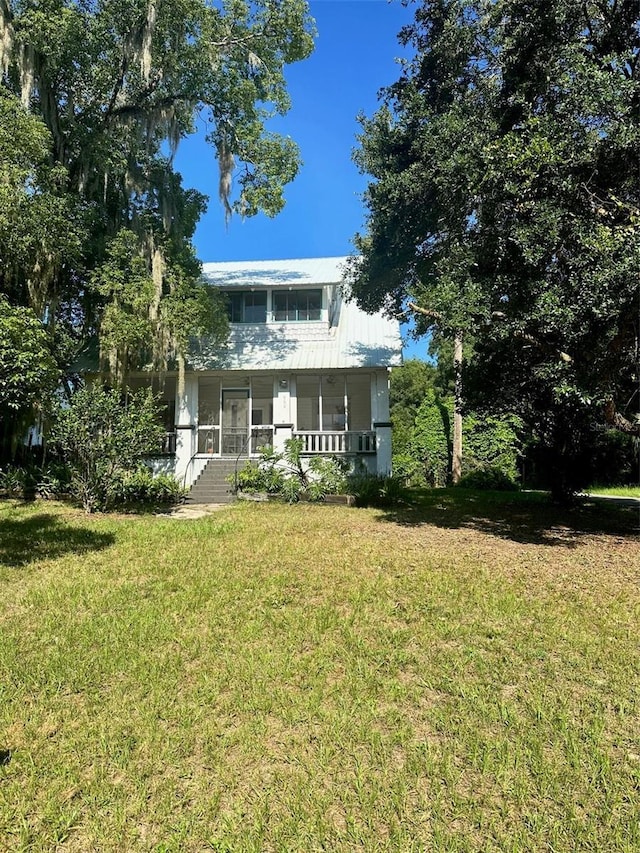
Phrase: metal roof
(304, 271)
(356, 339)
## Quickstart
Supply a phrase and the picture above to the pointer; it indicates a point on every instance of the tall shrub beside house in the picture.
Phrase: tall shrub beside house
(103, 438)
(430, 445)
(492, 442)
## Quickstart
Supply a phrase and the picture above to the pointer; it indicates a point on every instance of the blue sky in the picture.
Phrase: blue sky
(355, 55)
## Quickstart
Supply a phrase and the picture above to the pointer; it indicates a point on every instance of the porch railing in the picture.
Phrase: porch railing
(337, 442)
(209, 439)
(231, 441)
(261, 437)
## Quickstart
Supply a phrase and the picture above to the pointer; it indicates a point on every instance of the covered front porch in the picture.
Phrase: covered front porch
(234, 414)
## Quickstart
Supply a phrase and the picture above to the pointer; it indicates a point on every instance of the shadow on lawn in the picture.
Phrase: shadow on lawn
(520, 516)
(45, 537)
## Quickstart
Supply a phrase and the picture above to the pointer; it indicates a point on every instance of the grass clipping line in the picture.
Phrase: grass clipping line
(461, 677)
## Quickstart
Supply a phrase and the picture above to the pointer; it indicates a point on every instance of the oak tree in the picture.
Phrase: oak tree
(504, 201)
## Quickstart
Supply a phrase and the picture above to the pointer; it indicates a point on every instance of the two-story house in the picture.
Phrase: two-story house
(300, 361)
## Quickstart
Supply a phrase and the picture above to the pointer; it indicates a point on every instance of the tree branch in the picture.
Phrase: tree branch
(433, 315)
(618, 421)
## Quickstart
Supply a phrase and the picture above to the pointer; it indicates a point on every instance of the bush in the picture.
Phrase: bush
(430, 444)
(492, 443)
(263, 476)
(376, 489)
(12, 481)
(408, 469)
(54, 481)
(141, 490)
(284, 474)
(489, 478)
(327, 476)
(102, 436)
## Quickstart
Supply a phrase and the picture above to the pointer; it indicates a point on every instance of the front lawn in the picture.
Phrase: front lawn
(616, 491)
(459, 675)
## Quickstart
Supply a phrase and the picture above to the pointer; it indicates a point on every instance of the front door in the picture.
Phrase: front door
(235, 422)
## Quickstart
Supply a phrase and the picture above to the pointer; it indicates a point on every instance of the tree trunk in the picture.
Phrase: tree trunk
(456, 466)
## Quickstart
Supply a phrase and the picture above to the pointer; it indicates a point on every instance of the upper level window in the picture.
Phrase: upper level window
(247, 306)
(297, 304)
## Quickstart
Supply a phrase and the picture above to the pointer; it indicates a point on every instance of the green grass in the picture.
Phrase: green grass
(616, 491)
(462, 674)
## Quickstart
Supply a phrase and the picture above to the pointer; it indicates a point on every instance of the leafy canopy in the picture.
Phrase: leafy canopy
(504, 202)
(95, 224)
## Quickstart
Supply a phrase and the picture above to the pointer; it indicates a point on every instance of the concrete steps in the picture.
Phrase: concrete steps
(212, 486)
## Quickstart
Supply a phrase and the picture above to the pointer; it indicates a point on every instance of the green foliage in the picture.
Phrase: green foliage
(28, 372)
(409, 384)
(54, 480)
(487, 477)
(286, 474)
(40, 227)
(262, 476)
(13, 480)
(492, 442)
(95, 224)
(140, 489)
(328, 475)
(504, 201)
(430, 440)
(376, 489)
(47, 481)
(102, 439)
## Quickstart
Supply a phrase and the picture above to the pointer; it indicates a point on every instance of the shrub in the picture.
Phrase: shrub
(492, 442)
(263, 476)
(327, 476)
(12, 480)
(408, 469)
(488, 477)
(376, 489)
(101, 436)
(54, 481)
(284, 474)
(141, 490)
(430, 442)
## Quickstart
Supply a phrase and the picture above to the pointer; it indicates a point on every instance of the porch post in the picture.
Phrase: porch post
(381, 420)
(383, 446)
(283, 393)
(186, 416)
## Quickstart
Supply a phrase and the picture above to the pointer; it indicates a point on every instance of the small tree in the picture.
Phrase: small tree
(28, 372)
(430, 442)
(102, 435)
(493, 442)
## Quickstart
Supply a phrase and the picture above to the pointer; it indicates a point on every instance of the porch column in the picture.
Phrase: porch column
(383, 446)
(281, 433)
(186, 413)
(381, 420)
(282, 419)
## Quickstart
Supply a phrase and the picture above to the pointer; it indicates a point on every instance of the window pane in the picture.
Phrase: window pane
(307, 393)
(314, 304)
(333, 411)
(359, 403)
(297, 305)
(245, 306)
(279, 306)
(261, 402)
(209, 401)
(235, 307)
(255, 307)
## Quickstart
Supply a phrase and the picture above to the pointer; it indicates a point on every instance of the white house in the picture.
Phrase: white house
(300, 361)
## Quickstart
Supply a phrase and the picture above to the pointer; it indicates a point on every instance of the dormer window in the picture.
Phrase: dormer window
(297, 305)
(247, 306)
